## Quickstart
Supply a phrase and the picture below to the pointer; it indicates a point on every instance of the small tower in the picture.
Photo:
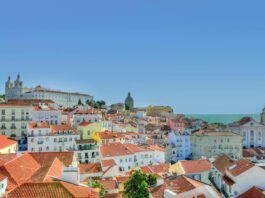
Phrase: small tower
(129, 103)
(9, 84)
(262, 116)
(18, 82)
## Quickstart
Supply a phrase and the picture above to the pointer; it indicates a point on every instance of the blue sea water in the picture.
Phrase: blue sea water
(222, 118)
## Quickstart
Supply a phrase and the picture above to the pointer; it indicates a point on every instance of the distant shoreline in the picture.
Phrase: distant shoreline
(222, 118)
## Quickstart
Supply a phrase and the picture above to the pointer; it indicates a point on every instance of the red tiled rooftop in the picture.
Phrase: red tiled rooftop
(109, 135)
(252, 193)
(5, 141)
(90, 168)
(19, 170)
(85, 123)
(240, 166)
(114, 149)
(44, 158)
(159, 168)
(107, 163)
(109, 184)
(195, 166)
(59, 128)
(222, 162)
(33, 125)
(50, 190)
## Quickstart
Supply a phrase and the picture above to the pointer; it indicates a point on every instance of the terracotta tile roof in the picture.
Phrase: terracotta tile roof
(134, 148)
(44, 158)
(122, 179)
(5, 141)
(4, 158)
(45, 173)
(107, 163)
(239, 167)
(253, 192)
(85, 123)
(177, 185)
(19, 170)
(156, 148)
(36, 125)
(222, 162)
(25, 102)
(195, 166)
(159, 168)
(90, 168)
(59, 128)
(114, 149)
(244, 120)
(76, 190)
(49, 190)
(109, 184)
(109, 135)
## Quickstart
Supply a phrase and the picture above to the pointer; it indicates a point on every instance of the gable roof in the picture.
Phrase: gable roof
(222, 162)
(177, 185)
(5, 141)
(47, 171)
(195, 166)
(19, 170)
(159, 168)
(239, 167)
(90, 168)
(49, 190)
(114, 149)
(66, 157)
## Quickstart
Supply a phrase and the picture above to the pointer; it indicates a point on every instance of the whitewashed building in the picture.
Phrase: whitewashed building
(234, 177)
(253, 132)
(16, 90)
(43, 137)
(128, 156)
(89, 115)
(178, 146)
(46, 113)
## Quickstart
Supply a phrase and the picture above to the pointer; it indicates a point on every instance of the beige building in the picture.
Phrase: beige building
(7, 145)
(15, 115)
(211, 144)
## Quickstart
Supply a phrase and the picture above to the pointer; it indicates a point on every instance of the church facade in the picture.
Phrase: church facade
(16, 90)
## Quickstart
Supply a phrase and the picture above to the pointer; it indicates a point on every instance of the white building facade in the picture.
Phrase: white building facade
(178, 147)
(43, 138)
(253, 132)
(16, 90)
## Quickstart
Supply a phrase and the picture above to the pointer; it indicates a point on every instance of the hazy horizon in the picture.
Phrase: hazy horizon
(200, 57)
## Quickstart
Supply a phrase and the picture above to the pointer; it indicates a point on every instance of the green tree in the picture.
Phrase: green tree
(96, 184)
(137, 186)
(151, 179)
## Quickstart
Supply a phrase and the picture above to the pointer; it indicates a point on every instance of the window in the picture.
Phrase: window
(47, 148)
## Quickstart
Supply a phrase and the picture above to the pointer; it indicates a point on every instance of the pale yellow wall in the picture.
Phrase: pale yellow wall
(88, 132)
(212, 146)
(176, 168)
(20, 125)
(9, 149)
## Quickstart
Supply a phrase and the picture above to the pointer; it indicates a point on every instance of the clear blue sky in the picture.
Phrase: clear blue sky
(197, 56)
